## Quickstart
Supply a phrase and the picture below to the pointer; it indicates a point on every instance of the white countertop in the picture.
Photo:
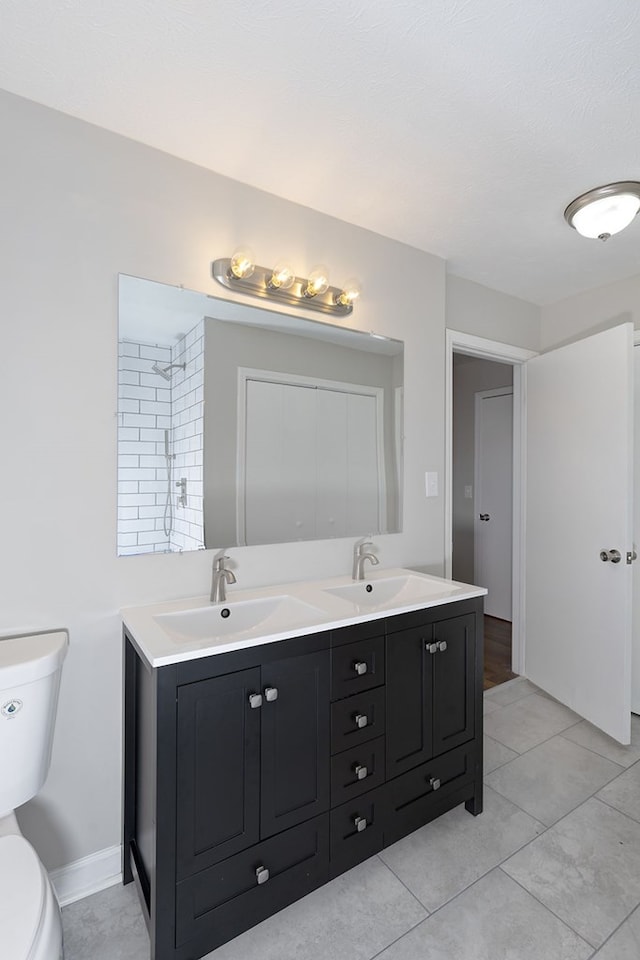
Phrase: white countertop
(160, 636)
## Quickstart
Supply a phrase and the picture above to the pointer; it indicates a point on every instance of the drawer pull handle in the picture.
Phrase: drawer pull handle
(441, 645)
(360, 824)
(255, 700)
(434, 783)
(431, 647)
(361, 771)
(361, 720)
(270, 694)
(360, 667)
(262, 875)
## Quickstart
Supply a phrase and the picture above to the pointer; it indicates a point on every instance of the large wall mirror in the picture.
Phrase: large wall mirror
(239, 425)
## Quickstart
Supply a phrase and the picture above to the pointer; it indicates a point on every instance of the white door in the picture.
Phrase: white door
(493, 504)
(635, 652)
(579, 502)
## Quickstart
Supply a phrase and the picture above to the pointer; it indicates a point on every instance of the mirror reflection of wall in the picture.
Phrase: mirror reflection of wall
(300, 438)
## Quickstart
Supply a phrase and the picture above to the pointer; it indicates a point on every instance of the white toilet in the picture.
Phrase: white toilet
(30, 668)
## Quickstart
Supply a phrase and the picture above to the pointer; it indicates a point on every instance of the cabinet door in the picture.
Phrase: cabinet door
(295, 741)
(409, 699)
(218, 769)
(453, 683)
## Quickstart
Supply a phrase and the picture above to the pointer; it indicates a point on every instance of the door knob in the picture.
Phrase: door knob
(360, 667)
(360, 771)
(361, 720)
(613, 555)
(262, 874)
(360, 824)
(270, 694)
(485, 516)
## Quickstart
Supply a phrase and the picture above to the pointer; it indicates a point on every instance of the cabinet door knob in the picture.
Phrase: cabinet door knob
(441, 645)
(434, 783)
(361, 771)
(360, 667)
(431, 647)
(255, 700)
(270, 694)
(360, 824)
(262, 874)
(361, 720)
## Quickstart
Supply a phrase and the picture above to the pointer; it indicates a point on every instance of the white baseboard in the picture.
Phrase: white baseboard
(88, 875)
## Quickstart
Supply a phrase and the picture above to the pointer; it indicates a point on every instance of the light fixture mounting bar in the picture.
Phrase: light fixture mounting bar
(257, 285)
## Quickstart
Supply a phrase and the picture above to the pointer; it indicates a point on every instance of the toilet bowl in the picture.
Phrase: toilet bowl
(30, 668)
(30, 923)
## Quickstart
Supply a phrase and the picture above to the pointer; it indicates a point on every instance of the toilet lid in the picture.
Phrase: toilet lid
(22, 896)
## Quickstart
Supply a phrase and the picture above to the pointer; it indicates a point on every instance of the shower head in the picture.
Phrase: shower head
(166, 371)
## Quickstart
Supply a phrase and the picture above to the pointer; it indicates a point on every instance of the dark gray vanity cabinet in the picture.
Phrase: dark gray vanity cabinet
(255, 776)
(251, 757)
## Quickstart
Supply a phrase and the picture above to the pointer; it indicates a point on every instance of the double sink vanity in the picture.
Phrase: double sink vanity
(279, 737)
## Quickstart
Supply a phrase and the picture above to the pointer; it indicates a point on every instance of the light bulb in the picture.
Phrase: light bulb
(349, 293)
(282, 277)
(318, 282)
(242, 264)
(606, 216)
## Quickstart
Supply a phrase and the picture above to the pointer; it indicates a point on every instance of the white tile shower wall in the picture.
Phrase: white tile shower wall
(144, 406)
(187, 409)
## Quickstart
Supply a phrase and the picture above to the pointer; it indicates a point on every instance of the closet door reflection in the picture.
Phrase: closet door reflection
(312, 462)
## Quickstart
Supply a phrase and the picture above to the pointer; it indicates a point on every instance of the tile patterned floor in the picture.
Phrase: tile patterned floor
(549, 871)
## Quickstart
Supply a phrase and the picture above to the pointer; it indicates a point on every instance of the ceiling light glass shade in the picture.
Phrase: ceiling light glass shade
(242, 264)
(604, 211)
(283, 277)
(318, 282)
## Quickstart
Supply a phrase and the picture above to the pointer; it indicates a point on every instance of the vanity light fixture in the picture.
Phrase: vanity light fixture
(601, 212)
(280, 283)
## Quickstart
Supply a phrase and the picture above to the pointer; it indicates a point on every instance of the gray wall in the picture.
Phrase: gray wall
(478, 310)
(590, 312)
(79, 206)
(229, 346)
(469, 376)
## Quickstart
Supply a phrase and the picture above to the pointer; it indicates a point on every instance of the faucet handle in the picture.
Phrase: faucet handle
(219, 560)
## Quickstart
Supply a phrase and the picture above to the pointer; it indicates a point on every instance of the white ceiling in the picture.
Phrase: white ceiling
(462, 127)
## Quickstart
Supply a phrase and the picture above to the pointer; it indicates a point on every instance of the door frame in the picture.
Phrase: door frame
(479, 396)
(484, 349)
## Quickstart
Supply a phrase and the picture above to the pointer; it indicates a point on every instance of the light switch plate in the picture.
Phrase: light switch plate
(431, 483)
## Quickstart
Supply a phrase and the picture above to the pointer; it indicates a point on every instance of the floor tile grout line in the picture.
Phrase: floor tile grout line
(529, 749)
(622, 922)
(483, 875)
(581, 936)
(398, 939)
(408, 889)
(612, 806)
(596, 752)
(548, 826)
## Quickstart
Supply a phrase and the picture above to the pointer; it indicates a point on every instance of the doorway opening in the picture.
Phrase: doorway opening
(482, 486)
(504, 639)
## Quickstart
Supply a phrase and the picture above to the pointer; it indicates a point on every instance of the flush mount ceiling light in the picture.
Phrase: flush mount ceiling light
(600, 213)
(239, 272)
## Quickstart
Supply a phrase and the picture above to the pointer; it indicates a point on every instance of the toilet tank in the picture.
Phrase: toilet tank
(30, 668)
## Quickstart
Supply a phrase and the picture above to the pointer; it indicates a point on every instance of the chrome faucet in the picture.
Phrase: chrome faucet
(360, 554)
(221, 577)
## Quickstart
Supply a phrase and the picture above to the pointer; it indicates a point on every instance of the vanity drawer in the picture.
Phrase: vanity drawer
(356, 771)
(356, 831)
(418, 796)
(356, 667)
(219, 903)
(357, 719)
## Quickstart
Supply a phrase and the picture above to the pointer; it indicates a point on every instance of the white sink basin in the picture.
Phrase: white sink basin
(381, 592)
(238, 619)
